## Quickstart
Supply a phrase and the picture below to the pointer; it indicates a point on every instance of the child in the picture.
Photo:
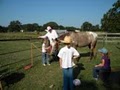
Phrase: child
(104, 65)
(45, 54)
(66, 56)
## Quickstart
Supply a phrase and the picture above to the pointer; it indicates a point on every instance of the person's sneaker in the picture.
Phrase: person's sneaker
(44, 65)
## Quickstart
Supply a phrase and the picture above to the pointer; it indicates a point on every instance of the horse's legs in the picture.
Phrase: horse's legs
(94, 49)
(91, 52)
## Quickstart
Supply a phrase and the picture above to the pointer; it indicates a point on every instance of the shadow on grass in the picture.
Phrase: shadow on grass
(3, 71)
(87, 85)
(77, 69)
(87, 54)
(114, 81)
(12, 78)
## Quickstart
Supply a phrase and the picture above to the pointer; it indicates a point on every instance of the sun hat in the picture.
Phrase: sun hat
(49, 28)
(67, 39)
(103, 50)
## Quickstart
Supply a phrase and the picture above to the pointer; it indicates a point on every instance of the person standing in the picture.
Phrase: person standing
(66, 56)
(45, 52)
(51, 34)
(104, 65)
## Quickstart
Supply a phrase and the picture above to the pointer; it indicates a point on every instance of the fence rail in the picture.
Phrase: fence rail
(29, 39)
(109, 37)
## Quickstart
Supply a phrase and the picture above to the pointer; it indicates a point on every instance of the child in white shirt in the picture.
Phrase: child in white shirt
(66, 56)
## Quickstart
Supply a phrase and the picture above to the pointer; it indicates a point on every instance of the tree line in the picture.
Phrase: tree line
(109, 23)
(17, 26)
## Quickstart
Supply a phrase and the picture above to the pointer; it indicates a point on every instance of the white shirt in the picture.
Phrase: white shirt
(43, 48)
(51, 35)
(66, 55)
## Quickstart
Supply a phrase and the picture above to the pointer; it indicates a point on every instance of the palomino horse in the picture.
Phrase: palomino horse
(82, 39)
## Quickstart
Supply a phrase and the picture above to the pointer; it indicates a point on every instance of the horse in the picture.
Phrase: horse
(81, 39)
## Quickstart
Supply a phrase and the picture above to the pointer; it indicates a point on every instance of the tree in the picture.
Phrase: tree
(36, 27)
(61, 27)
(15, 26)
(3, 29)
(71, 28)
(54, 25)
(111, 20)
(95, 28)
(86, 26)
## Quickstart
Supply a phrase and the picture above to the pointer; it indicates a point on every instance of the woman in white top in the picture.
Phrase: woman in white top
(51, 34)
(66, 56)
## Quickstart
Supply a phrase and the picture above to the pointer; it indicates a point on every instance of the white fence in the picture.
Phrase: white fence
(109, 37)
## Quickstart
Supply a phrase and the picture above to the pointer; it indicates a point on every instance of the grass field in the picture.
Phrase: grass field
(14, 55)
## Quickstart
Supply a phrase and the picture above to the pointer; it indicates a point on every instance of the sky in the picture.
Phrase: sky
(63, 12)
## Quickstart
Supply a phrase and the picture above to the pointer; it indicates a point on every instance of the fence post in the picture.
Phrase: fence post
(106, 38)
(31, 54)
(104, 41)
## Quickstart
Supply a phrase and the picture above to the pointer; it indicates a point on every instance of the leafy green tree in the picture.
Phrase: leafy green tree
(86, 26)
(3, 29)
(61, 27)
(71, 28)
(54, 25)
(96, 28)
(36, 27)
(31, 27)
(111, 20)
(15, 26)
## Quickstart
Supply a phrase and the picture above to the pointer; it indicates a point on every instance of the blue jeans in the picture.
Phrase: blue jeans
(68, 79)
(45, 58)
(97, 70)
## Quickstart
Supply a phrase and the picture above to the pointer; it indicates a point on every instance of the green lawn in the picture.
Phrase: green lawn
(14, 55)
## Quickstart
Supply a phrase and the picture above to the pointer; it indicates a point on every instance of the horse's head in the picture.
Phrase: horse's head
(56, 42)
